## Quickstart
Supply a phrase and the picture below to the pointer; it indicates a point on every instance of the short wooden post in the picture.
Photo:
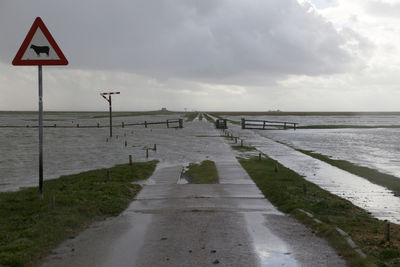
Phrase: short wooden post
(263, 125)
(98, 125)
(145, 124)
(295, 126)
(387, 231)
(155, 147)
(180, 123)
(130, 160)
(167, 124)
(284, 125)
(123, 125)
(126, 143)
(77, 126)
(147, 153)
(55, 125)
(243, 123)
(235, 140)
(259, 156)
(53, 201)
(276, 166)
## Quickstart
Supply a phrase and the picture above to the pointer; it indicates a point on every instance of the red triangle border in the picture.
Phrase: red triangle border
(18, 61)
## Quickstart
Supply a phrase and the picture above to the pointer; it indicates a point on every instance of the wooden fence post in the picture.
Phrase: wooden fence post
(243, 123)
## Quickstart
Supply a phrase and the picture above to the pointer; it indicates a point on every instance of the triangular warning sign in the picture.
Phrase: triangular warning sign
(39, 48)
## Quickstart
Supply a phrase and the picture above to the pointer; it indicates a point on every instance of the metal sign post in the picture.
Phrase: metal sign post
(109, 103)
(38, 49)
(40, 132)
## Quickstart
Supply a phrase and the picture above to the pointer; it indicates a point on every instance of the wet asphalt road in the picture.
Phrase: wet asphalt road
(174, 224)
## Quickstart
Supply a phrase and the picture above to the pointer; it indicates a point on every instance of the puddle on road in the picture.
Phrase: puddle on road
(124, 251)
(271, 250)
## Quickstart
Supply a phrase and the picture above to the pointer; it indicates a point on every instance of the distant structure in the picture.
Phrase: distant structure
(164, 110)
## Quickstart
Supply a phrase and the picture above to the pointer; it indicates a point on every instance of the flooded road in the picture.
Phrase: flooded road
(175, 224)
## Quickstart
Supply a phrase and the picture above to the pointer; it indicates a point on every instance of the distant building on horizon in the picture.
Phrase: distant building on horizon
(164, 110)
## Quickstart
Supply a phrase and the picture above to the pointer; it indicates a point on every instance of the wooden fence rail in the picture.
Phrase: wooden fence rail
(170, 123)
(263, 125)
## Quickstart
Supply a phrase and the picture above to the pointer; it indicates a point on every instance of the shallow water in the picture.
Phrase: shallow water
(376, 199)
(72, 150)
(369, 120)
(374, 148)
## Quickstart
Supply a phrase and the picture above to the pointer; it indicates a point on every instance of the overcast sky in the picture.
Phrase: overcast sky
(292, 55)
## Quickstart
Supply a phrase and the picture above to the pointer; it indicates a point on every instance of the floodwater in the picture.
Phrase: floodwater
(72, 150)
(366, 120)
(374, 148)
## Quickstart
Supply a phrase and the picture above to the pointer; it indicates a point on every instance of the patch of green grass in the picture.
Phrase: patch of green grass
(346, 126)
(222, 118)
(244, 148)
(208, 118)
(285, 190)
(203, 173)
(389, 181)
(191, 116)
(30, 227)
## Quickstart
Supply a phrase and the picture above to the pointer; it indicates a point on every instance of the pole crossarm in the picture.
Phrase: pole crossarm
(109, 93)
(109, 103)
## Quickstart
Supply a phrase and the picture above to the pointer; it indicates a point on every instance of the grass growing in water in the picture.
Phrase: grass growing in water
(285, 190)
(29, 227)
(203, 173)
(244, 148)
(389, 181)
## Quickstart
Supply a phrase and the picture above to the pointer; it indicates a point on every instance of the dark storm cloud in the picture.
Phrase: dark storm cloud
(201, 40)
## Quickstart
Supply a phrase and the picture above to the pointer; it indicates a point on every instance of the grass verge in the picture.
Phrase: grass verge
(389, 181)
(208, 118)
(285, 190)
(244, 148)
(203, 173)
(191, 116)
(30, 227)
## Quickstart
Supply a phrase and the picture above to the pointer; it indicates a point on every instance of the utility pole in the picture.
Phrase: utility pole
(109, 103)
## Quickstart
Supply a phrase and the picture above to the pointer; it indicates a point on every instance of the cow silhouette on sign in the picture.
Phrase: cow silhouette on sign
(40, 49)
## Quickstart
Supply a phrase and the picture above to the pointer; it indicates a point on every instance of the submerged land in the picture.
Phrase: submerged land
(218, 192)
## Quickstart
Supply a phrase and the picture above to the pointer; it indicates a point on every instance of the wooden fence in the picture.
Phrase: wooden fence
(170, 123)
(221, 124)
(263, 125)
